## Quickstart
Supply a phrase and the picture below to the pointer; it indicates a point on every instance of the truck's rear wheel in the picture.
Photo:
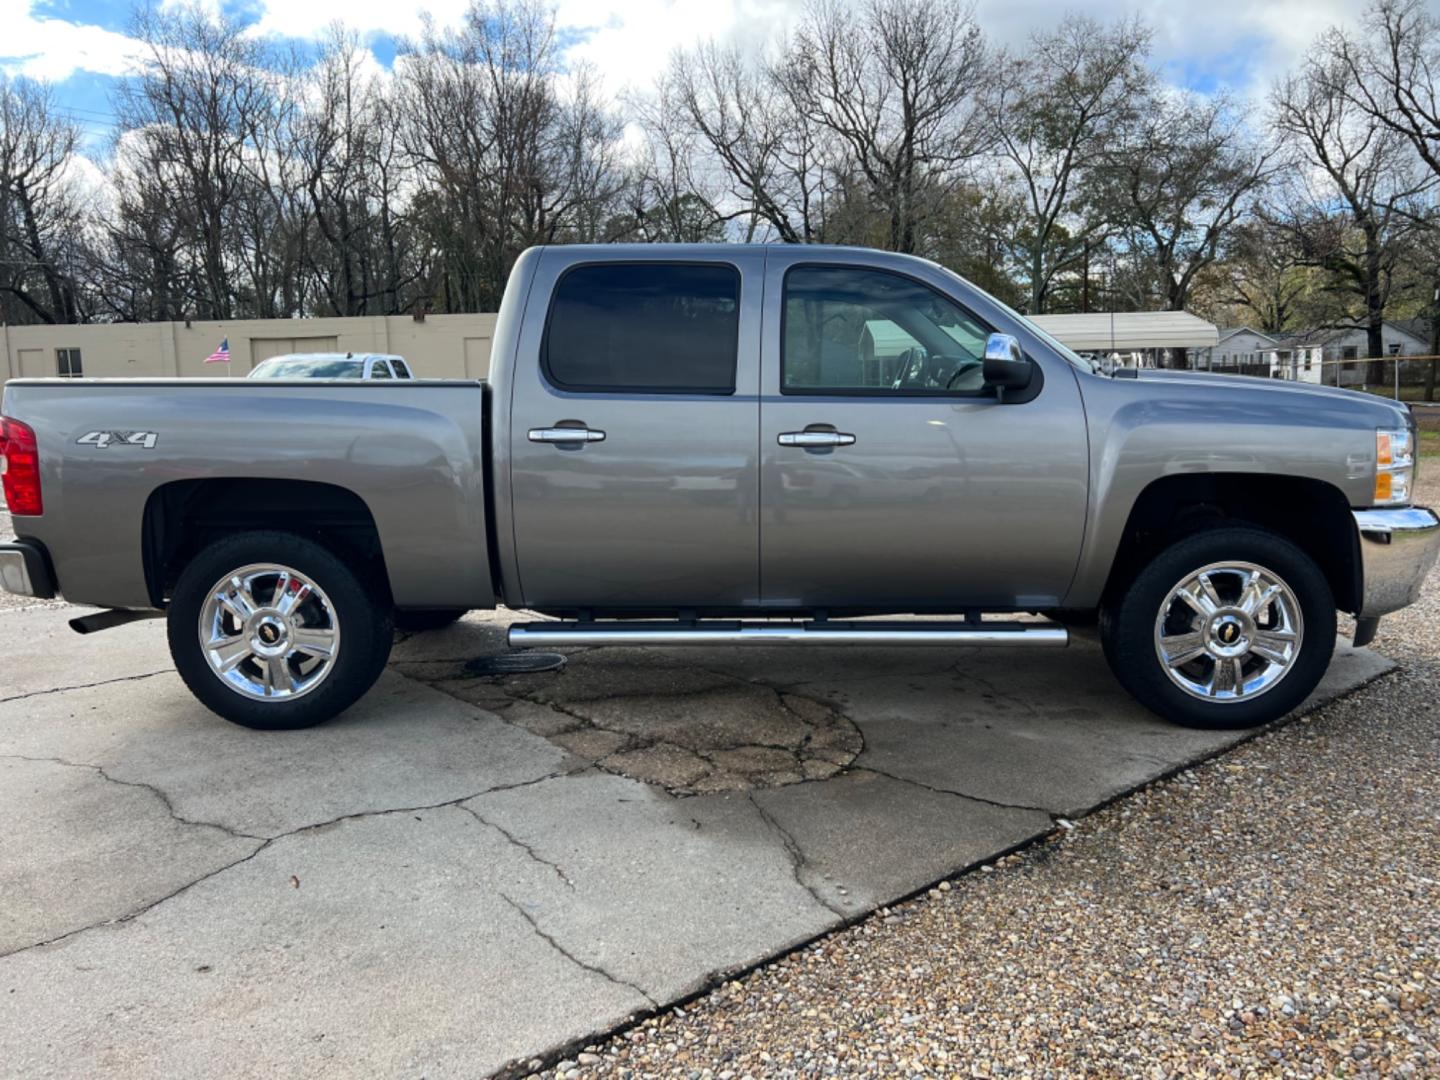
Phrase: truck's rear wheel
(1227, 628)
(272, 631)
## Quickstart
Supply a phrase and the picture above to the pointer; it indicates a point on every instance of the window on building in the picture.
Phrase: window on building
(1350, 352)
(1394, 348)
(1309, 353)
(649, 327)
(67, 363)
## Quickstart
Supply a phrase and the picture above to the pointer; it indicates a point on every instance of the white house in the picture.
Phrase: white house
(1306, 356)
(1238, 347)
(1354, 344)
(1297, 362)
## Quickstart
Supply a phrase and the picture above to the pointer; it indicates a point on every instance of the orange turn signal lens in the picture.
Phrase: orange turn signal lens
(1384, 451)
(1384, 487)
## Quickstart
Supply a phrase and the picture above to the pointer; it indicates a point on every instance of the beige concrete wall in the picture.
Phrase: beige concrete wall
(440, 347)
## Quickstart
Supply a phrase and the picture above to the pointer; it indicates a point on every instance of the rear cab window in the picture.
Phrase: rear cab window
(645, 327)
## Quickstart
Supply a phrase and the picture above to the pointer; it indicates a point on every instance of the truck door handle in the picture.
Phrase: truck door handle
(565, 435)
(815, 438)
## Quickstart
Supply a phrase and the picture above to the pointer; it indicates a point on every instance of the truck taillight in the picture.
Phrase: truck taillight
(20, 468)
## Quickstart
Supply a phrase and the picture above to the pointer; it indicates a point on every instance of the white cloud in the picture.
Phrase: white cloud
(44, 47)
(1246, 44)
(629, 42)
(313, 18)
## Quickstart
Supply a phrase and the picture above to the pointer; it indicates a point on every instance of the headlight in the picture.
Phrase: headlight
(1394, 467)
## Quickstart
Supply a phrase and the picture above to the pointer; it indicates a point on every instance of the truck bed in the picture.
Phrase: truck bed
(113, 451)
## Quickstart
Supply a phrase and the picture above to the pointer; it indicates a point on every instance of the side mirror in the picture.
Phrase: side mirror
(1005, 365)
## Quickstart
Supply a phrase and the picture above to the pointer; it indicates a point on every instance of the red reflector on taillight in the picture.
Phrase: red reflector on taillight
(20, 468)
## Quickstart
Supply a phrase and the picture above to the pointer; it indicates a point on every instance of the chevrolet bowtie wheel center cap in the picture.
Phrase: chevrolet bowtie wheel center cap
(1229, 634)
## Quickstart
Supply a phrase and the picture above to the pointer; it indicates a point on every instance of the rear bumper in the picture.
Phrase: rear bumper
(1397, 550)
(25, 570)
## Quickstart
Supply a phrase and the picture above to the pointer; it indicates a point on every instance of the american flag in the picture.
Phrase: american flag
(220, 355)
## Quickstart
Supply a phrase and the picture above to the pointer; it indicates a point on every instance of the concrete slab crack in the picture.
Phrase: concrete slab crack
(262, 844)
(129, 916)
(568, 955)
(951, 791)
(86, 686)
(556, 775)
(141, 785)
(796, 856)
(534, 855)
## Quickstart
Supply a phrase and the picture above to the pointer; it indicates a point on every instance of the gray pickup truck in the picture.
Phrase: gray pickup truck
(727, 445)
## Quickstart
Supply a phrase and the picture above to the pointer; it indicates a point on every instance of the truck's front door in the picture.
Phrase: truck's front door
(633, 432)
(890, 478)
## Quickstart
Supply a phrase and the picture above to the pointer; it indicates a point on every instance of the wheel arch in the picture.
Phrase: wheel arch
(182, 517)
(1312, 514)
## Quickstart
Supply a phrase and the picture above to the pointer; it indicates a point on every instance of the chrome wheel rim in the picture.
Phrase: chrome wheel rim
(269, 632)
(1229, 632)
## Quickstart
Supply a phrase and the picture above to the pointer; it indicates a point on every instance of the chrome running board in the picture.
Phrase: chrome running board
(955, 634)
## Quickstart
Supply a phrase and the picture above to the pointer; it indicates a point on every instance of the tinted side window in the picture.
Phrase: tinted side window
(401, 371)
(853, 330)
(647, 327)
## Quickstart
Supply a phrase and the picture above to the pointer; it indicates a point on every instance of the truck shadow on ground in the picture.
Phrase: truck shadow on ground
(1045, 729)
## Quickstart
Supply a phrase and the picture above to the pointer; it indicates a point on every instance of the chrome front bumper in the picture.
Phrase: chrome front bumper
(1397, 549)
(25, 571)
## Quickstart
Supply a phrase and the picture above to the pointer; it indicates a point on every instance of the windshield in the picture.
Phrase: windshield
(296, 368)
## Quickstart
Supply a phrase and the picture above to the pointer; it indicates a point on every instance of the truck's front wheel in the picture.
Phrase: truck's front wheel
(1226, 628)
(272, 631)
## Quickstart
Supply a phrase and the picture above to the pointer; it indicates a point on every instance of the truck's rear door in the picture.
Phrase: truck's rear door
(633, 431)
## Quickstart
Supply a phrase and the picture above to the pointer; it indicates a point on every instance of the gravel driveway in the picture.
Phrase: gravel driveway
(1273, 912)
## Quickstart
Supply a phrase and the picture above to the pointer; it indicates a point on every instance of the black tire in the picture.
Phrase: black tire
(361, 614)
(1128, 628)
(427, 618)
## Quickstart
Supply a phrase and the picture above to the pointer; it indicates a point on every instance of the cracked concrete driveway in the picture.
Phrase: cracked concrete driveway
(466, 871)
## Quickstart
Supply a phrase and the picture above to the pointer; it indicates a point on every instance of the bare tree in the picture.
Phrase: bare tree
(893, 81)
(505, 155)
(1176, 184)
(1393, 73)
(1352, 196)
(41, 210)
(773, 162)
(360, 249)
(206, 107)
(1263, 275)
(1053, 110)
(671, 196)
(144, 271)
(1394, 78)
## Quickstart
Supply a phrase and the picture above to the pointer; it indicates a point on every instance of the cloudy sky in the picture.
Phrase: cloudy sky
(82, 45)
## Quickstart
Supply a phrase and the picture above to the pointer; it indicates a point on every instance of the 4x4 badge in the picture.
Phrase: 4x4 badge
(102, 439)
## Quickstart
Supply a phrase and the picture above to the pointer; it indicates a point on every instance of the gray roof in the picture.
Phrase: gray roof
(1320, 335)
(1225, 335)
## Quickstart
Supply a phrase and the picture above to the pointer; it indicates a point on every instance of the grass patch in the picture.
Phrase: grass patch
(1429, 443)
